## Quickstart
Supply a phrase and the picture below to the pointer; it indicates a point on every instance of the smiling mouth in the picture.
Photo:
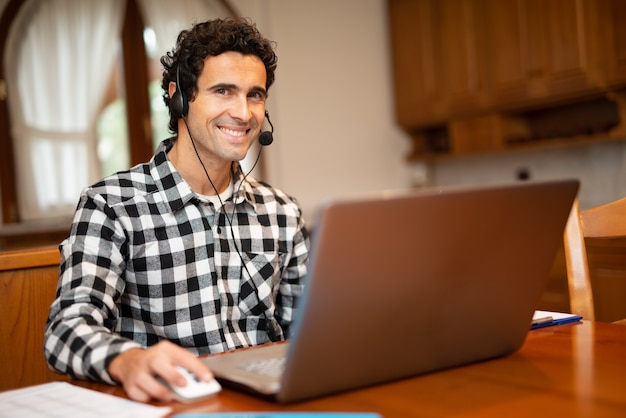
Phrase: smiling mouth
(236, 133)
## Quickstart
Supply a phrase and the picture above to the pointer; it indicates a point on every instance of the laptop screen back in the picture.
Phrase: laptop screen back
(410, 284)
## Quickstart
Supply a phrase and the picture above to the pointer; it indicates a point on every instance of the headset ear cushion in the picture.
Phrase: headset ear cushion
(179, 105)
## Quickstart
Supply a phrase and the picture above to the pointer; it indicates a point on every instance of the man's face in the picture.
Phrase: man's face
(226, 115)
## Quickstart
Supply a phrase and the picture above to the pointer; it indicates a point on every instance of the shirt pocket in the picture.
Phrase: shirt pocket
(260, 282)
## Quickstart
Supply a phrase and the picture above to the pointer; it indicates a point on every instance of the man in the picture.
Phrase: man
(183, 255)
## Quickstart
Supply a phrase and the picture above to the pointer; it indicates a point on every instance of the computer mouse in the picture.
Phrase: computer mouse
(195, 388)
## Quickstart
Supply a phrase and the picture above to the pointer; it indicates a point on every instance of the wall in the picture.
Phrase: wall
(332, 105)
(601, 169)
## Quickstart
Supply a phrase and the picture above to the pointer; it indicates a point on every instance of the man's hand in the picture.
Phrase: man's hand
(137, 369)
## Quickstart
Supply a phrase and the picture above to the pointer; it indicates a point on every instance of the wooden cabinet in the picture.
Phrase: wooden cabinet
(540, 50)
(546, 50)
(436, 59)
(470, 73)
(612, 26)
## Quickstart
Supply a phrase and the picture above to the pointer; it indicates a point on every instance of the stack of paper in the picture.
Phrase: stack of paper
(61, 399)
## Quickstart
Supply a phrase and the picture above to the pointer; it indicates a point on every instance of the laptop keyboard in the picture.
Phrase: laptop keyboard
(272, 367)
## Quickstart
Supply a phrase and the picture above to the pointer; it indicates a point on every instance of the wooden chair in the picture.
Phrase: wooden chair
(28, 281)
(606, 221)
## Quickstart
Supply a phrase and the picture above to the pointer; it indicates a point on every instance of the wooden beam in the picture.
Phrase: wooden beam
(136, 82)
(8, 186)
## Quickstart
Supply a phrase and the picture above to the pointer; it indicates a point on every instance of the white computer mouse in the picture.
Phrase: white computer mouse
(195, 389)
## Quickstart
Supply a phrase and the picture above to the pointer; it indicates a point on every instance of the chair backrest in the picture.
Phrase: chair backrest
(28, 281)
(606, 221)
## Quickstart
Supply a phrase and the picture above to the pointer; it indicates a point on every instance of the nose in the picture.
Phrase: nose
(240, 108)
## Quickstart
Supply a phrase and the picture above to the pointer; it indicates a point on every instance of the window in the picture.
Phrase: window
(65, 128)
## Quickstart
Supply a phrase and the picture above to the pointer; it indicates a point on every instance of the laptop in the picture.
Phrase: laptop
(406, 284)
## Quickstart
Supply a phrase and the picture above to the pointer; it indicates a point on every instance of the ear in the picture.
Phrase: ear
(171, 89)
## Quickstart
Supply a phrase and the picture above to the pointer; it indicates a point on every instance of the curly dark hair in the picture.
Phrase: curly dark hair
(213, 37)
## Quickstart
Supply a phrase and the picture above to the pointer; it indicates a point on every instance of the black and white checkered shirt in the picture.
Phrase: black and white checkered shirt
(147, 259)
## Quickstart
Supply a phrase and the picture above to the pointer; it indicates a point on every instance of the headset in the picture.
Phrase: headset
(178, 102)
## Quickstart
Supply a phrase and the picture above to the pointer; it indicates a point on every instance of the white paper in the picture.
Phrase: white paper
(62, 399)
(553, 315)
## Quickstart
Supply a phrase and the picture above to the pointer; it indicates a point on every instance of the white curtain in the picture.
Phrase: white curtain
(59, 58)
(167, 18)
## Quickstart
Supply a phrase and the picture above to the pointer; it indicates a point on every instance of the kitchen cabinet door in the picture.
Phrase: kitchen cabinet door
(437, 59)
(542, 51)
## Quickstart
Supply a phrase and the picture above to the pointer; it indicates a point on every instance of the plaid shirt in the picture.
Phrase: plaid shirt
(147, 259)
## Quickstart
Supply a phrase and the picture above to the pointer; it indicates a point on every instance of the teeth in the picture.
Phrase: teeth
(232, 132)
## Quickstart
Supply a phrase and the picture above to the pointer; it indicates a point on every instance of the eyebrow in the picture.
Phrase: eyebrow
(236, 87)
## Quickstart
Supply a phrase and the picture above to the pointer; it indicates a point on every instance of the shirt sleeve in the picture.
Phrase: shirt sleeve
(79, 338)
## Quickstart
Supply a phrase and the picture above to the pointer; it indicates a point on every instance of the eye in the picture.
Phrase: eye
(257, 95)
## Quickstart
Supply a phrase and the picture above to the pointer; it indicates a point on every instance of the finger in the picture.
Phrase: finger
(135, 391)
(169, 373)
(198, 368)
(153, 388)
(179, 356)
(136, 394)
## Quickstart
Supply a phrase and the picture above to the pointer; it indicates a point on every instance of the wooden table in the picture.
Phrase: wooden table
(576, 370)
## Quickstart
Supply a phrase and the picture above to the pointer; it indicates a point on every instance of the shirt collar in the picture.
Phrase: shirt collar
(175, 190)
